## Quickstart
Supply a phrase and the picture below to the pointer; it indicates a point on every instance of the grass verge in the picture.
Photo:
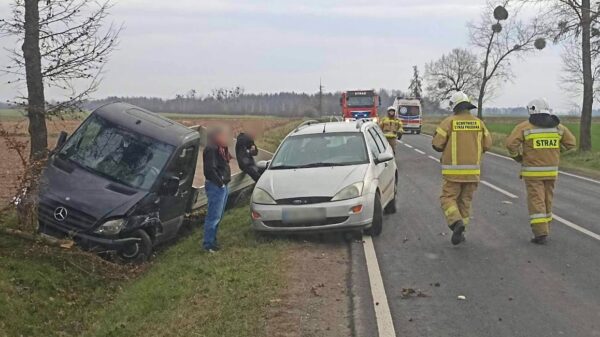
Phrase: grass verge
(271, 139)
(183, 292)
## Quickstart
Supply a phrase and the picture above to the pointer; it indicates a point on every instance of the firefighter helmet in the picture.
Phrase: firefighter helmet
(460, 101)
(391, 110)
(539, 106)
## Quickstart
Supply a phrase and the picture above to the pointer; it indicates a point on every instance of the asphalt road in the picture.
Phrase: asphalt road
(512, 287)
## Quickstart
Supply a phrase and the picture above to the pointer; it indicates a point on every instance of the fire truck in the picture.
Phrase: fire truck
(360, 104)
(410, 113)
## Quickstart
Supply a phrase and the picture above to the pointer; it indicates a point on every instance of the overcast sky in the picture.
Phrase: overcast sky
(169, 47)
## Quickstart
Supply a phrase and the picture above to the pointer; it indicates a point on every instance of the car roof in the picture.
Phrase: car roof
(147, 123)
(332, 127)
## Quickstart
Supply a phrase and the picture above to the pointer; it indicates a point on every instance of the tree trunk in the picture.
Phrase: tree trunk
(35, 84)
(480, 99)
(585, 134)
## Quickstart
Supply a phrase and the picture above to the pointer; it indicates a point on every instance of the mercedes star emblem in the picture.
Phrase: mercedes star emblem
(60, 213)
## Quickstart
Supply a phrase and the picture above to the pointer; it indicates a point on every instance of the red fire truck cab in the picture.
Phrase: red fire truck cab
(360, 104)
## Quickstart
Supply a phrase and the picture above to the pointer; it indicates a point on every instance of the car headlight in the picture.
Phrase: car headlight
(262, 197)
(111, 227)
(349, 192)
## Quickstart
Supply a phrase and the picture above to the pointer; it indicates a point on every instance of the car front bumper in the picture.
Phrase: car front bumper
(338, 216)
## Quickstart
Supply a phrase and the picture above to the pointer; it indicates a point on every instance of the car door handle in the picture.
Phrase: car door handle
(386, 164)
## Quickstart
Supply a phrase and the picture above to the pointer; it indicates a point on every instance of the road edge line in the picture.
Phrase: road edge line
(383, 315)
(577, 227)
(419, 151)
(498, 189)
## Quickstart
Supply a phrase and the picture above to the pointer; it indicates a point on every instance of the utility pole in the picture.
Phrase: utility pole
(320, 98)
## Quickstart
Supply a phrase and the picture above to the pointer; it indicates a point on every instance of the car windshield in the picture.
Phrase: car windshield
(321, 150)
(409, 110)
(116, 153)
(360, 101)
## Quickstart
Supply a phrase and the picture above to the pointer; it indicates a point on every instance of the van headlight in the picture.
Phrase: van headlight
(111, 227)
(260, 196)
(349, 192)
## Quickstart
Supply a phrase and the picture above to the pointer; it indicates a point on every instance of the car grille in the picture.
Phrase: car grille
(75, 220)
(303, 201)
(328, 221)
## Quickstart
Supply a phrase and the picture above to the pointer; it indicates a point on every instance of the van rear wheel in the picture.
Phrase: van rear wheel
(137, 252)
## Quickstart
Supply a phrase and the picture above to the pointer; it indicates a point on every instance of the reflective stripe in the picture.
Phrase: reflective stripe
(553, 135)
(540, 171)
(479, 150)
(441, 132)
(466, 221)
(454, 154)
(540, 218)
(450, 210)
(461, 172)
(534, 131)
(460, 167)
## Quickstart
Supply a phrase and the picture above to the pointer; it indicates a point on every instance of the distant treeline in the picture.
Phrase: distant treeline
(286, 104)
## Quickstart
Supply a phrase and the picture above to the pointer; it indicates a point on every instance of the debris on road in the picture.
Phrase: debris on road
(462, 297)
(410, 292)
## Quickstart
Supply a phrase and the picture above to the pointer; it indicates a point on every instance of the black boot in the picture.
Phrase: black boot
(540, 240)
(458, 229)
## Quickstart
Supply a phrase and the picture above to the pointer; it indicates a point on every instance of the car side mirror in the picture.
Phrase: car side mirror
(62, 139)
(384, 157)
(170, 186)
(263, 164)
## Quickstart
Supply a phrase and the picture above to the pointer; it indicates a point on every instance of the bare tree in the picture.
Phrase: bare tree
(572, 79)
(416, 84)
(499, 42)
(64, 45)
(458, 70)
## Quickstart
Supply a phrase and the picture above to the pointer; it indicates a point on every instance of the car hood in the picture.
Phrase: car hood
(67, 185)
(310, 182)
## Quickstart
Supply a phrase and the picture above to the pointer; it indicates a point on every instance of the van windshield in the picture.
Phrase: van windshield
(118, 154)
(321, 150)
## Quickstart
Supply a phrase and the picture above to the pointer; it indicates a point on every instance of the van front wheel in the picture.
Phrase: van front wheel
(137, 252)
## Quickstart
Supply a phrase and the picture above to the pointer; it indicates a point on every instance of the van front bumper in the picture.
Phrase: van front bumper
(84, 239)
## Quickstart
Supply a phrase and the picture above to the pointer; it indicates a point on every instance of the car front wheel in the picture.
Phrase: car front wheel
(377, 225)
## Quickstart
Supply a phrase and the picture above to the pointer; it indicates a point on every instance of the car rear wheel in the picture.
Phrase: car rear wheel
(137, 252)
(377, 225)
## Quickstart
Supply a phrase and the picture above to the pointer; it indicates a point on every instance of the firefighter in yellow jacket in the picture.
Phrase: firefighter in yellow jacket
(462, 138)
(392, 127)
(537, 144)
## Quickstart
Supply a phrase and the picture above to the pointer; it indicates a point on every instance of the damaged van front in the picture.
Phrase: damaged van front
(122, 182)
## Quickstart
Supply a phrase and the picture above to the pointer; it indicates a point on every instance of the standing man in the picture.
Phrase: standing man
(245, 151)
(218, 174)
(537, 144)
(392, 127)
(462, 138)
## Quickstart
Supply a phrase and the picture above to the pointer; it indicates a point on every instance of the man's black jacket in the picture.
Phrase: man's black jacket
(216, 164)
(245, 150)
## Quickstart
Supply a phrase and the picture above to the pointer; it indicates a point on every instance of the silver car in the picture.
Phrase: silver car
(327, 177)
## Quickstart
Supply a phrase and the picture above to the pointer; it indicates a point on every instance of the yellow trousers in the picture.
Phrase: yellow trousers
(393, 143)
(456, 200)
(540, 194)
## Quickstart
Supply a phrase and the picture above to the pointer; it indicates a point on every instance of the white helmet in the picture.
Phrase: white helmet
(391, 108)
(458, 98)
(539, 106)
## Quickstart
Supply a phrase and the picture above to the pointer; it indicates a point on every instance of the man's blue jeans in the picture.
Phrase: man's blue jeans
(217, 199)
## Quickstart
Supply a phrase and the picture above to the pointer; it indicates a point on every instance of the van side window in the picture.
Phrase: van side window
(183, 163)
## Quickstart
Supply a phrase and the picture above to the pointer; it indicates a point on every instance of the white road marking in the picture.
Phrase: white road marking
(434, 158)
(494, 187)
(500, 156)
(401, 142)
(577, 228)
(385, 325)
(408, 145)
(419, 151)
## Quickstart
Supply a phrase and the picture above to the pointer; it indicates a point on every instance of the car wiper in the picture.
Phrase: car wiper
(283, 167)
(322, 165)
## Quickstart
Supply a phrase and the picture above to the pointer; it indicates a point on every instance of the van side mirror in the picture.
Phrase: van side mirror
(62, 139)
(169, 187)
(263, 164)
(384, 157)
